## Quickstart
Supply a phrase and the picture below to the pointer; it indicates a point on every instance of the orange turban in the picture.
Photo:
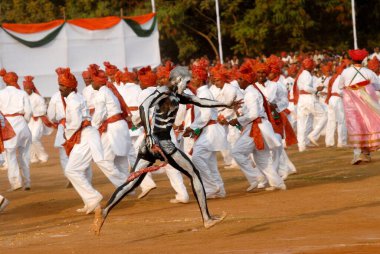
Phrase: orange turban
(308, 63)
(292, 69)
(10, 78)
(128, 77)
(199, 69)
(373, 64)
(246, 72)
(326, 69)
(234, 73)
(222, 75)
(99, 77)
(284, 54)
(147, 77)
(358, 54)
(110, 69)
(164, 71)
(86, 74)
(262, 67)
(28, 83)
(66, 78)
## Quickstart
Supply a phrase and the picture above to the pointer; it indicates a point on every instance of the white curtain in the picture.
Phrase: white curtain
(76, 48)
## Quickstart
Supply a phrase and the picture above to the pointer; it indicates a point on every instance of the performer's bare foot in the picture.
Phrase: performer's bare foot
(98, 220)
(214, 220)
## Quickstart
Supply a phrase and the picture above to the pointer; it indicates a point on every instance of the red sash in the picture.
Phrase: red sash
(45, 121)
(211, 122)
(6, 133)
(359, 85)
(75, 138)
(296, 94)
(14, 114)
(255, 133)
(124, 107)
(112, 119)
(290, 136)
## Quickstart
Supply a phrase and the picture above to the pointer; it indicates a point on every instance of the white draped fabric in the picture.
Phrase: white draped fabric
(76, 47)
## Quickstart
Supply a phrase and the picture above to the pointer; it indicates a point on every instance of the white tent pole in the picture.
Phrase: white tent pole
(354, 23)
(219, 32)
(153, 6)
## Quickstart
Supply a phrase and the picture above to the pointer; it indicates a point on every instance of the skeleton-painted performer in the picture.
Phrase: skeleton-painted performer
(165, 101)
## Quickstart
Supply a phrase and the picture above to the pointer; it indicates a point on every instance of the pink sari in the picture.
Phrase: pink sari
(362, 117)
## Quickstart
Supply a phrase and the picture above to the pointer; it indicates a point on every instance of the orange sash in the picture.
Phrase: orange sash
(290, 136)
(124, 107)
(6, 133)
(45, 121)
(255, 133)
(211, 122)
(75, 138)
(112, 119)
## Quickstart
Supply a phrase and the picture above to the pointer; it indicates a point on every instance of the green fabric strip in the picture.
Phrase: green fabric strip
(136, 27)
(34, 44)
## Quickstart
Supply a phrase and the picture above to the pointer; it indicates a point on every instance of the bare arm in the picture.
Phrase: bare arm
(203, 103)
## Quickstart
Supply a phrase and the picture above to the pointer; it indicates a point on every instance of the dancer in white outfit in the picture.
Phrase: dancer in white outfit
(15, 106)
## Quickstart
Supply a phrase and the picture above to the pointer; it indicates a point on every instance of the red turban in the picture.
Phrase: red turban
(86, 74)
(308, 63)
(28, 83)
(10, 78)
(66, 78)
(373, 64)
(246, 72)
(326, 69)
(128, 77)
(110, 69)
(292, 69)
(358, 54)
(222, 75)
(199, 69)
(262, 67)
(99, 77)
(164, 71)
(284, 54)
(147, 77)
(274, 68)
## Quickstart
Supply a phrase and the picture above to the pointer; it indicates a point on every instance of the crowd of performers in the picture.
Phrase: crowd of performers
(126, 120)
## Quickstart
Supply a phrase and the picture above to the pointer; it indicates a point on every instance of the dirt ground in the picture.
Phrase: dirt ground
(329, 207)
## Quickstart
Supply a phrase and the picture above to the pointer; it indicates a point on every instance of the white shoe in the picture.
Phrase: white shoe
(356, 160)
(3, 204)
(252, 186)
(178, 201)
(145, 192)
(83, 209)
(273, 188)
(312, 140)
(14, 188)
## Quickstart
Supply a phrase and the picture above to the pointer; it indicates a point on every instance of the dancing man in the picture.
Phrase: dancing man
(158, 145)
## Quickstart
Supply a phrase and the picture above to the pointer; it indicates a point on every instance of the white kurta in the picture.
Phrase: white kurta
(253, 109)
(38, 128)
(130, 93)
(107, 105)
(308, 107)
(88, 93)
(13, 100)
(212, 136)
(336, 118)
(56, 113)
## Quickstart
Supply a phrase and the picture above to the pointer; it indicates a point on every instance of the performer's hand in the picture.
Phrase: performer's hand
(320, 88)
(235, 105)
(234, 122)
(150, 141)
(188, 132)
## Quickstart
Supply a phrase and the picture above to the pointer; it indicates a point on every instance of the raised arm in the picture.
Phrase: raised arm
(203, 103)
